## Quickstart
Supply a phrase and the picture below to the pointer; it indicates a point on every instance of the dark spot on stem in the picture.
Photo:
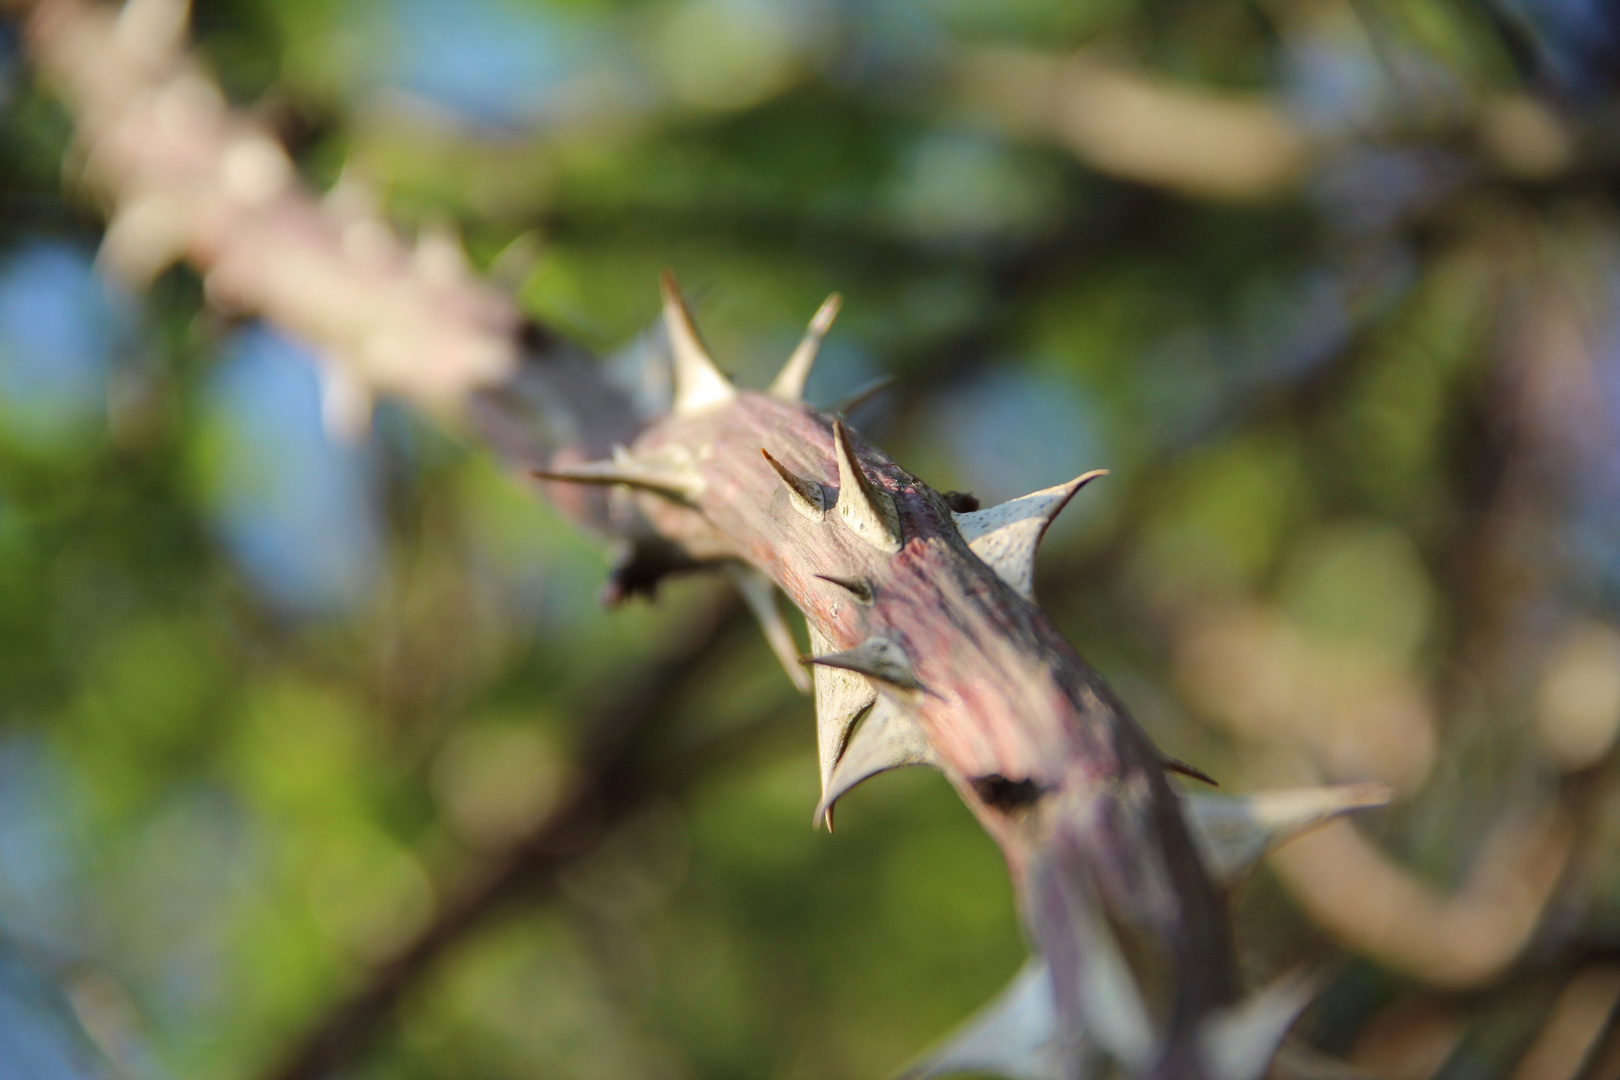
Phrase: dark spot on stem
(1007, 795)
(961, 502)
(641, 567)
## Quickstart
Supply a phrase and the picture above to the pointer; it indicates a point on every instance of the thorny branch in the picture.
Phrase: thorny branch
(929, 650)
(927, 646)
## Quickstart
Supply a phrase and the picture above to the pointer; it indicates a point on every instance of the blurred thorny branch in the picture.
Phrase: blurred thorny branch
(184, 176)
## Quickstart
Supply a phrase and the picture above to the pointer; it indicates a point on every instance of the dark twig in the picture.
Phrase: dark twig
(615, 779)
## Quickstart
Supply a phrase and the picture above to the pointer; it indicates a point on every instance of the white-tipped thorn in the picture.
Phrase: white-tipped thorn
(670, 483)
(699, 385)
(1005, 536)
(808, 497)
(842, 698)
(887, 739)
(876, 658)
(759, 593)
(1234, 832)
(868, 511)
(1240, 1043)
(789, 384)
(1015, 1036)
(1018, 1035)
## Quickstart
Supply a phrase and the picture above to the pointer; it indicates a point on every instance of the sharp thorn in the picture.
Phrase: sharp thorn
(1016, 1035)
(759, 592)
(1176, 765)
(868, 511)
(1240, 1043)
(1006, 535)
(887, 739)
(876, 658)
(808, 497)
(681, 486)
(789, 384)
(842, 698)
(859, 588)
(1234, 832)
(861, 396)
(699, 385)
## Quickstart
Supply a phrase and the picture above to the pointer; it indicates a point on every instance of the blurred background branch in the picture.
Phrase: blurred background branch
(621, 771)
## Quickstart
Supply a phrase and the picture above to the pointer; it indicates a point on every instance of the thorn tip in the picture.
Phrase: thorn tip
(1234, 832)
(699, 385)
(807, 496)
(860, 589)
(861, 395)
(759, 593)
(868, 511)
(877, 658)
(789, 384)
(624, 470)
(1006, 535)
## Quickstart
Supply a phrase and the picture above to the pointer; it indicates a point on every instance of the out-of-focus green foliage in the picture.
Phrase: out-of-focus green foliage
(268, 700)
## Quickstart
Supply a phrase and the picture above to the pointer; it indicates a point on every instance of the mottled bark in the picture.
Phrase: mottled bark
(1028, 733)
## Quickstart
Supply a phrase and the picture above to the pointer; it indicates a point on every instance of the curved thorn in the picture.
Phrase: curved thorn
(861, 395)
(1234, 832)
(789, 384)
(759, 593)
(842, 698)
(807, 496)
(868, 512)
(876, 658)
(1239, 1043)
(699, 385)
(1016, 1035)
(887, 739)
(1006, 535)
